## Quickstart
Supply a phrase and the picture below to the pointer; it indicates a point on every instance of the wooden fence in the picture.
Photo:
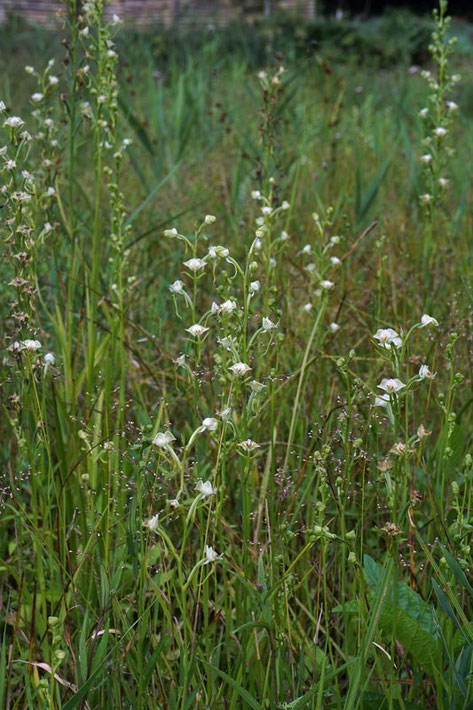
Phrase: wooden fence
(144, 12)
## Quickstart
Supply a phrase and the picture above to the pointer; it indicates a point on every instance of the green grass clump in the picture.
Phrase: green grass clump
(236, 388)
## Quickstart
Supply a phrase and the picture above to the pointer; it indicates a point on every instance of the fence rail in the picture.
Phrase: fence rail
(144, 12)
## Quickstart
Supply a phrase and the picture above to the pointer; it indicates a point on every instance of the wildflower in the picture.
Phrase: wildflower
(214, 308)
(452, 105)
(53, 80)
(180, 361)
(171, 232)
(249, 445)
(334, 240)
(285, 205)
(268, 324)
(197, 330)
(307, 249)
(14, 122)
(254, 286)
(272, 262)
(206, 488)
(116, 20)
(176, 287)
(210, 219)
(423, 112)
(32, 345)
(387, 337)
(422, 432)
(228, 306)
(225, 414)
(3, 150)
(173, 502)
(37, 98)
(10, 164)
(385, 465)
(391, 529)
(335, 261)
(284, 236)
(425, 373)
(194, 264)
(257, 244)
(210, 555)
(262, 75)
(310, 268)
(240, 368)
(456, 78)
(426, 198)
(256, 195)
(266, 210)
(428, 320)
(257, 387)
(391, 385)
(399, 449)
(153, 523)
(217, 251)
(48, 360)
(210, 424)
(50, 192)
(29, 69)
(443, 182)
(426, 159)
(334, 327)
(307, 307)
(382, 400)
(164, 439)
(327, 285)
(440, 131)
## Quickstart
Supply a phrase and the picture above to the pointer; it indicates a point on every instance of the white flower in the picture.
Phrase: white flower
(206, 488)
(194, 264)
(210, 424)
(218, 251)
(180, 361)
(50, 192)
(153, 523)
(3, 150)
(256, 195)
(327, 285)
(36, 98)
(228, 306)
(284, 236)
(285, 205)
(164, 439)
(428, 320)
(257, 244)
(197, 330)
(423, 112)
(452, 105)
(262, 75)
(10, 164)
(443, 182)
(53, 80)
(266, 210)
(249, 445)
(426, 198)
(310, 268)
(391, 384)
(48, 360)
(307, 249)
(425, 373)
(210, 555)
(214, 308)
(116, 20)
(422, 432)
(335, 261)
(334, 327)
(382, 400)
(387, 337)
(29, 69)
(255, 286)
(171, 232)
(456, 78)
(440, 132)
(240, 368)
(210, 219)
(173, 502)
(272, 262)
(14, 122)
(259, 221)
(32, 345)
(268, 324)
(176, 287)
(257, 387)
(225, 414)
(307, 307)
(426, 159)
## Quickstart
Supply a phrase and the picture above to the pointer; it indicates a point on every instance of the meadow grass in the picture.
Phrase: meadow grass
(236, 395)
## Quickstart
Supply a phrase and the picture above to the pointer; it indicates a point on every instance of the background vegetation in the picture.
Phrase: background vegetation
(292, 544)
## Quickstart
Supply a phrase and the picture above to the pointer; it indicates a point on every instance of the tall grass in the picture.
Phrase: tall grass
(236, 465)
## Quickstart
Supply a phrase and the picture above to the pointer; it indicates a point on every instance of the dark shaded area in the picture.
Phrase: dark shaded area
(460, 8)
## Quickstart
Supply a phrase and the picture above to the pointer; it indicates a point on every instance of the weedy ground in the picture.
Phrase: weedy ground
(236, 374)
